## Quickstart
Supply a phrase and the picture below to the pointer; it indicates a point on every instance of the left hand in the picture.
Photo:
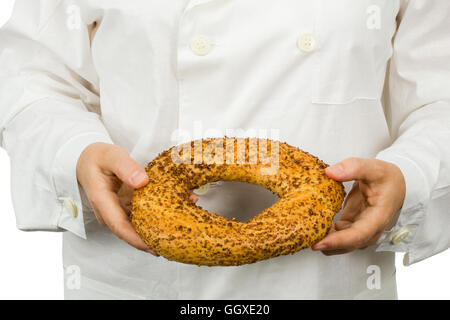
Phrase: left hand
(371, 207)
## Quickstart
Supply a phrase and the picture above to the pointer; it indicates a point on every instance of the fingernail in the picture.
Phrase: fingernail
(138, 177)
(152, 252)
(336, 169)
(193, 197)
(320, 247)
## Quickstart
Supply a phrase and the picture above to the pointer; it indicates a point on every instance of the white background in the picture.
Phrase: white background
(31, 263)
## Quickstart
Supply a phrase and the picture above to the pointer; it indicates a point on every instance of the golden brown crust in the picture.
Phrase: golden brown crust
(171, 224)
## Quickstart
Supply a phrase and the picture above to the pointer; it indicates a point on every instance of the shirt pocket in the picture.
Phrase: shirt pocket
(350, 38)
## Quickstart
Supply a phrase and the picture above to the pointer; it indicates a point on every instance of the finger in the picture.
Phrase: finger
(193, 196)
(334, 228)
(108, 205)
(118, 161)
(355, 236)
(125, 195)
(372, 241)
(342, 225)
(367, 170)
(354, 204)
(353, 191)
(99, 218)
(336, 252)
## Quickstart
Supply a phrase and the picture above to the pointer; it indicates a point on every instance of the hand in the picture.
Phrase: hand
(109, 175)
(371, 207)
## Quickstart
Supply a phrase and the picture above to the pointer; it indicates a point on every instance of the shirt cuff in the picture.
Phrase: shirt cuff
(400, 238)
(65, 181)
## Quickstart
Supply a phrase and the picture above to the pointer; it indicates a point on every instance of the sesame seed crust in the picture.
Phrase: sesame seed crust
(173, 226)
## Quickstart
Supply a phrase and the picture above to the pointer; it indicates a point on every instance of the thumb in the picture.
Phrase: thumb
(118, 161)
(367, 170)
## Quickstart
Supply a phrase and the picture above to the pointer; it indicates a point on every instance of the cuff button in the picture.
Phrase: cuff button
(400, 235)
(71, 208)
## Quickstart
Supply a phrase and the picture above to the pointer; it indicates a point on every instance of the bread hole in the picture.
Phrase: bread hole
(235, 199)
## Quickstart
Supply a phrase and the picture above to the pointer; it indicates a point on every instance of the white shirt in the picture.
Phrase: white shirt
(334, 78)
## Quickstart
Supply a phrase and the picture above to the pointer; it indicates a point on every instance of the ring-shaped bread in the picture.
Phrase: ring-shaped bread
(173, 226)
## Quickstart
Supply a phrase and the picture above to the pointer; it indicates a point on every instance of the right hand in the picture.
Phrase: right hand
(103, 170)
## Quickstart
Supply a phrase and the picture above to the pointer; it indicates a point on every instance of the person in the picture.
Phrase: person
(93, 90)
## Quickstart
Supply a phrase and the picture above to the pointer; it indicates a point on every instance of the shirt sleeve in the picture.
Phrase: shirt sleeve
(49, 111)
(418, 112)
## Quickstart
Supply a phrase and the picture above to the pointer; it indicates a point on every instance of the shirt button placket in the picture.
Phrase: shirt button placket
(193, 45)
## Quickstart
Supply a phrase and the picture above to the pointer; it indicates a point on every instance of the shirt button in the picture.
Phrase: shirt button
(307, 42)
(202, 190)
(400, 235)
(201, 45)
(71, 208)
